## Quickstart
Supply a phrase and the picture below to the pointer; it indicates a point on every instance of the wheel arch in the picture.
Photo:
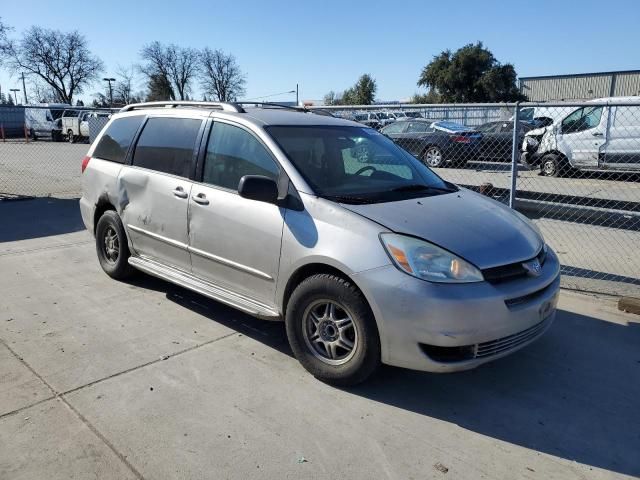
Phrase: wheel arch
(309, 270)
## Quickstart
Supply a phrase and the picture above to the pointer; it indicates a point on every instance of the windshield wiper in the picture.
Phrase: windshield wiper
(418, 187)
(348, 199)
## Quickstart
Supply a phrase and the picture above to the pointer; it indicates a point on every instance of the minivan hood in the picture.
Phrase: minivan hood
(478, 229)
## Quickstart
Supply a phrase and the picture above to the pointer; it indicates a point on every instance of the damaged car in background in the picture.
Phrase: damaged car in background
(603, 136)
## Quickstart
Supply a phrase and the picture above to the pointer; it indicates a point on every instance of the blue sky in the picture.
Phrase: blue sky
(325, 45)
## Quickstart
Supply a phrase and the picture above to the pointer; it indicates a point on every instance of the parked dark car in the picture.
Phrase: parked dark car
(437, 144)
(497, 139)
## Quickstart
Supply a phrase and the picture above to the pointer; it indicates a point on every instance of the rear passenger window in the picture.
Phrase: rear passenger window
(232, 153)
(115, 142)
(167, 144)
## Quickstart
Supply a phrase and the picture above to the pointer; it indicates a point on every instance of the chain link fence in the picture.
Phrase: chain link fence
(573, 168)
(41, 148)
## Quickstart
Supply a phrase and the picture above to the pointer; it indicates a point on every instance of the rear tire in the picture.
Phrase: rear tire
(432, 157)
(332, 331)
(71, 137)
(112, 247)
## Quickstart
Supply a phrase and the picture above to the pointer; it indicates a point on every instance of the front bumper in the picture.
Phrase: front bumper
(530, 159)
(483, 321)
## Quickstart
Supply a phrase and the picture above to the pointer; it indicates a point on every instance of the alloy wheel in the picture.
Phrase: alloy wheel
(329, 332)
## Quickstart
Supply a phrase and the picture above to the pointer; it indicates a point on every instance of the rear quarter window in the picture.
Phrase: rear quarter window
(167, 145)
(115, 142)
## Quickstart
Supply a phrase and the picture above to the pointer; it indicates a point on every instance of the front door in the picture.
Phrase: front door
(157, 188)
(581, 136)
(235, 242)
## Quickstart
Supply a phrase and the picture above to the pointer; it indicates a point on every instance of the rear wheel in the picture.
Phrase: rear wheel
(71, 137)
(432, 156)
(332, 331)
(111, 246)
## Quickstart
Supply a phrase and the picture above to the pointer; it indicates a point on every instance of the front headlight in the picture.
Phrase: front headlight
(427, 261)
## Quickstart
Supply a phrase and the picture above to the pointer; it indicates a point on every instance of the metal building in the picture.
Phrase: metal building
(583, 86)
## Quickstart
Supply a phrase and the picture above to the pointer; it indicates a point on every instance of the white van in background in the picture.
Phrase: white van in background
(40, 119)
(592, 137)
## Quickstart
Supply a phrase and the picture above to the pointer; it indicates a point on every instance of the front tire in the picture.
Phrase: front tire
(332, 331)
(112, 247)
(553, 165)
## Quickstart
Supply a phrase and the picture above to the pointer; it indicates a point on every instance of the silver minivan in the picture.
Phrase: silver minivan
(366, 254)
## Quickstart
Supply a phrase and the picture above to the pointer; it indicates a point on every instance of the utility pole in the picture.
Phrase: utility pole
(297, 96)
(24, 89)
(109, 80)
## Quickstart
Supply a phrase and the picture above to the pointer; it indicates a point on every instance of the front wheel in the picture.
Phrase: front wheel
(332, 331)
(432, 156)
(555, 166)
(111, 246)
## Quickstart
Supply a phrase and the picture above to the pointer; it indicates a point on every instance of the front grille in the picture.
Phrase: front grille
(512, 303)
(485, 349)
(512, 271)
(494, 347)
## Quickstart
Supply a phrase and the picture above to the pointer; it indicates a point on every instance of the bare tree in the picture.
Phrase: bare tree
(60, 59)
(177, 65)
(124, 85)
(221, 76)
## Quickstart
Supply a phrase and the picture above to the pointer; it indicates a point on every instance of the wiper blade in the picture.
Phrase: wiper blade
(418, 187)
(348, 199)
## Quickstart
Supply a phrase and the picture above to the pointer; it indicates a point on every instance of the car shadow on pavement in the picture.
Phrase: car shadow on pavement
(38, 217)
(572, 394)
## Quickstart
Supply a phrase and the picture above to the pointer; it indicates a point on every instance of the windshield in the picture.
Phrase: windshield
(356, 165)
(382, 116)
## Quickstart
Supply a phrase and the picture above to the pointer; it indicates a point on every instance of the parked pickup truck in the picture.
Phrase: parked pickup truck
(75, 124)
(592, 137)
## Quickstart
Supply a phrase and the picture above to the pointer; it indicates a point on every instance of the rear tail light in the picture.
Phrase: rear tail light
(460, 139)
(85, 162)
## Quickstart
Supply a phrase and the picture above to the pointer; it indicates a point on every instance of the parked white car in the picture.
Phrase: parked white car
(591, 137)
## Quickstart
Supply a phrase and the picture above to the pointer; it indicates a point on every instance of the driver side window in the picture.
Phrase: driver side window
(582, 119)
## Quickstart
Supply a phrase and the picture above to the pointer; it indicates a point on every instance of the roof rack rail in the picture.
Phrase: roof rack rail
(297, 108)
(225, 106)
(271, 104)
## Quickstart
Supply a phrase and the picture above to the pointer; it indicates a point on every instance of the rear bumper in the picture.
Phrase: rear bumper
(87, 210)
(447, 327)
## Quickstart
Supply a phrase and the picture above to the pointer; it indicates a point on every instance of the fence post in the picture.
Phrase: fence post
(515, 149)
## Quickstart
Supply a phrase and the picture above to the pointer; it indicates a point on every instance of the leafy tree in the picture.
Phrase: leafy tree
(221, 76)
(362, 93)
(159, 88)
(471, 74)
(62, 60)
(177, 65)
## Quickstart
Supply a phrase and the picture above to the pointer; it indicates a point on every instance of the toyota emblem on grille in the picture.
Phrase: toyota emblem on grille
(533, 268)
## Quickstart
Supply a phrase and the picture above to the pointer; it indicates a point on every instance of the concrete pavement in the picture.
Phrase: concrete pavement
(103, 379)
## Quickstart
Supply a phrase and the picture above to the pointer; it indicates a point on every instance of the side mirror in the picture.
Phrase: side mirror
(258, 188)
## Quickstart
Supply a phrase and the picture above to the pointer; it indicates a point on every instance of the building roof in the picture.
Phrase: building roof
(578, 75)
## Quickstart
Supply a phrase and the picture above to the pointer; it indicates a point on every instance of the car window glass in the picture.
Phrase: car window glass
(397, 127)
(167, 144)
(506, 127)
(418, 127)
(113, 145)
(582, 119)
(232, 153)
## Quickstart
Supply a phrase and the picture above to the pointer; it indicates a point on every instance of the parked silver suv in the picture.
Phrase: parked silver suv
(365, 253)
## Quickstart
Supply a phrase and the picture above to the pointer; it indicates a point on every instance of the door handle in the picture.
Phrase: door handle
(201, 198)
(597, 134)
(180, 193)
